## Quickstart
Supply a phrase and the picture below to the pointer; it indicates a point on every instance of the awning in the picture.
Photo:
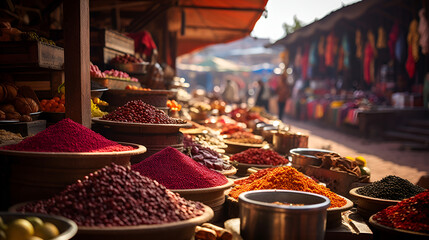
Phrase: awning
(214, 64)
(195, 23)
(329, 22)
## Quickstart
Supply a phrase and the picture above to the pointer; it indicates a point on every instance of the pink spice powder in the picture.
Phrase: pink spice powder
(67, 136)
(176, 170)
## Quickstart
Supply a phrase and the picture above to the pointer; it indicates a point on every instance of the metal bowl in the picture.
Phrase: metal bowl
(261, 218)
(66, 227)
(307, 156)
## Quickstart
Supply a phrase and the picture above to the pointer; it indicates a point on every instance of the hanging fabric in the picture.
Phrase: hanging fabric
(321, 46)
(304, 62)
(298, 57)
(410, 65)
(424, 32)
(371, 39)
(381, 38)
(393, 37)
(330, 50)
(340, 65)
(413, 39)
(358, 41)
(346, 51)
(400, 48)
(368, 64)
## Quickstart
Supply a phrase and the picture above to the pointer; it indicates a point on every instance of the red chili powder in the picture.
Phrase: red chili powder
(67, 136)
(175, 170)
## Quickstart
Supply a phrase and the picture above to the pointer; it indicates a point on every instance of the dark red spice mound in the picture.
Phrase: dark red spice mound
(138, 111)
(259, 156)
(410, 214)
(67, 136)
(175, 170)
(117, 196)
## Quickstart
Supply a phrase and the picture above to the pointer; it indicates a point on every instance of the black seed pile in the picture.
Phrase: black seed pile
(391, 188)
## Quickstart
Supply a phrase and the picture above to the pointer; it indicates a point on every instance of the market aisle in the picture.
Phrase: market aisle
(384, 158)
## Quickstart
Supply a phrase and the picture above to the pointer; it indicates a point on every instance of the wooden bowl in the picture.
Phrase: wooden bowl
(66, 227)
(243, 167)
(367, 206)
(229, 172)
(234, 147)
(385, 232)
(213, 197)
(39, 175)
(182, 230)
(129, 127)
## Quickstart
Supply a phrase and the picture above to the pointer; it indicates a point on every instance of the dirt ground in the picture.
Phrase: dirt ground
(383, 158)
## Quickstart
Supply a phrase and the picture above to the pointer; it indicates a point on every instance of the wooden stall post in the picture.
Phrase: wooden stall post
(76, 54)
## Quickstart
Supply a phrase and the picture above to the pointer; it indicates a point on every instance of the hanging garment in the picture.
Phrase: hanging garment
(298, 58)
(358, 42)
(330, 50)
(346, 51)
(304, 62)
(424, 32)
(413, 39)
(340, 65)
(393, 37)
(381, 40)
(143, 43)
(400, 48)
(321, 46)
(368, 64)
(371, 39)
(312, 59)
(410, 65)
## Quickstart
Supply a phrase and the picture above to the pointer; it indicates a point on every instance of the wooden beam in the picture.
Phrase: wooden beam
(217, 28)
(76, 54)
(222, 8)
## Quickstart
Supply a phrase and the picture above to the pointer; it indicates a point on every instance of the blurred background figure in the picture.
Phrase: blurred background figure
(263, 95)
(282, 95)
(230, 93)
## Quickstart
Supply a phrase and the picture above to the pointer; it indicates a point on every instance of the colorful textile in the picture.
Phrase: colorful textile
(358, 42)
(368, 64)
(381, 38)
(393, 37)
(413, 39)
(143, 43)
(346, 51)
(424, 32)
(410, 65)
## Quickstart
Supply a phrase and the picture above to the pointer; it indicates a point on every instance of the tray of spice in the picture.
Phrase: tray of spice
(152, 212)
(287, 178)
(383, 193)
(408, 219)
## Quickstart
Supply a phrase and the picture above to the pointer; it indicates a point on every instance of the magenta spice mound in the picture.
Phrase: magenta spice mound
(117, 196)
(175, 170)
(67, 136)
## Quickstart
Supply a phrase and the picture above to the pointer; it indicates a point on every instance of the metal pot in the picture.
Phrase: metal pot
(306, 156)
(284, 141)
(260, 218)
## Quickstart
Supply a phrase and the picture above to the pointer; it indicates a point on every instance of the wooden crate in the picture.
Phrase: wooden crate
(25, 128)
(102, 55)
(113, 40)
(24, 55)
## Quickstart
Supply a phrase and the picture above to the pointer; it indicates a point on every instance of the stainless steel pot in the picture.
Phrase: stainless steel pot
(306, 156)
(260, 218)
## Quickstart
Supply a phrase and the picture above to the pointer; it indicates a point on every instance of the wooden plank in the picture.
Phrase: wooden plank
(77, 77)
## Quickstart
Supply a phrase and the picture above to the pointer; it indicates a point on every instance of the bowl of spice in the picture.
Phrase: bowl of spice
(287, 178)
(42, 165)
(381, 194)
(408, 219)
(116, 202)
(139, 117)
(256, 157)
(180, 173)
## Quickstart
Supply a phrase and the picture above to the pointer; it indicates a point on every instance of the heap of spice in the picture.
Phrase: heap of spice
(410, 214)
(117, 196)
(175, 170)
(287, 178)
(6, 136)
(67, 136)
(204, 155)
(259, 156)
(391, 188)
(245, 137)
(138, 111)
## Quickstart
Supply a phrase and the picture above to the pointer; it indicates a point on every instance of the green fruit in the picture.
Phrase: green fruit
(35, 221)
